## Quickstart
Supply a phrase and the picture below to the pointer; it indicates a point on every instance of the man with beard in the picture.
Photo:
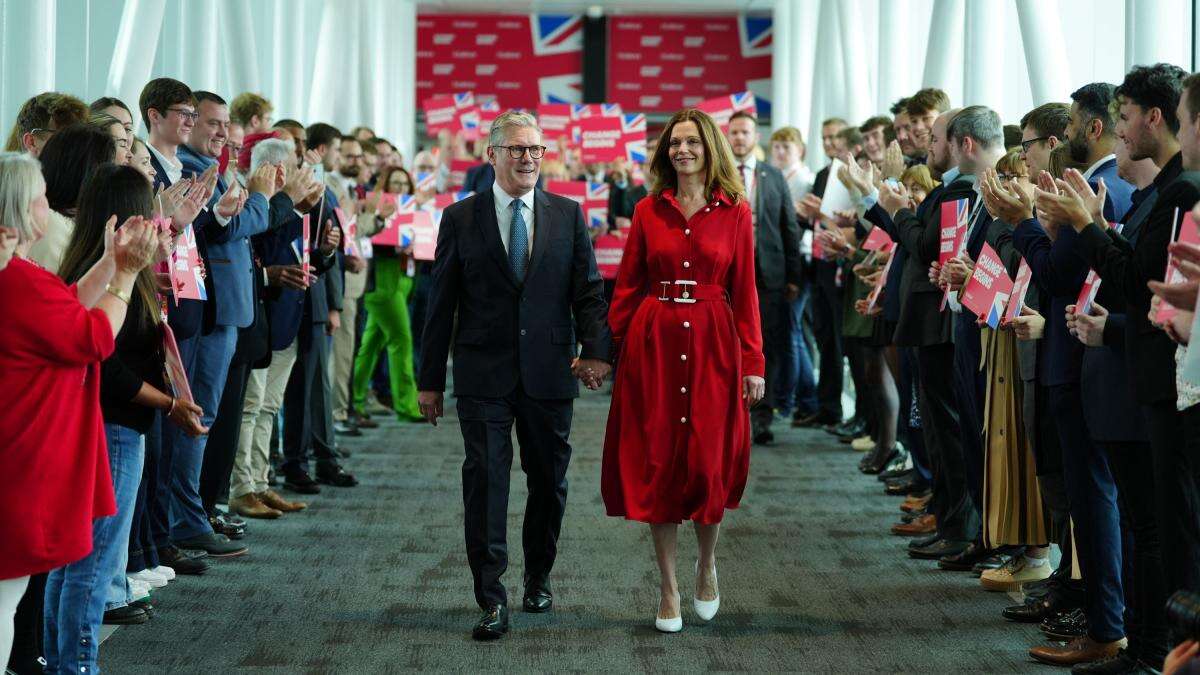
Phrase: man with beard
(352, 171)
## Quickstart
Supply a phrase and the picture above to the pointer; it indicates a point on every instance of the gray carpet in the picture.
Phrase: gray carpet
(374, 580)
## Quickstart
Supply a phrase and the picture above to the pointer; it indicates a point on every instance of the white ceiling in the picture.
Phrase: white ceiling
(607, 6)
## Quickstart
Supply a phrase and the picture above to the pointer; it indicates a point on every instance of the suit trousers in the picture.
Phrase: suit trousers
(543, 429)
(342, 364)
(910, 427)
(1145, 587)
(1175, 441)
(264, 397)
(957, 519)
(826, 311)
(970, 385)
(777, 341)
(307, 408)
(222, 448)
(1095, 516)
(1047, 456)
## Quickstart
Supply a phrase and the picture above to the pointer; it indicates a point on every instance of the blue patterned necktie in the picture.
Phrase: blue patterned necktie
(518, 242)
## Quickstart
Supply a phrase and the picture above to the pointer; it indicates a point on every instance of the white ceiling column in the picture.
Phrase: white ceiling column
(1045, 54)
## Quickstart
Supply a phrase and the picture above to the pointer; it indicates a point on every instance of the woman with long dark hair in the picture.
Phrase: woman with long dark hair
(685, 317)
(131, 391)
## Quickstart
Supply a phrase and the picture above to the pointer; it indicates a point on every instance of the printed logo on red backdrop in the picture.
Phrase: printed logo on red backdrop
(555, 121)
(673, 56)
(440, 113)
(583, 111)
(532, 59)
(488, 112)
(601, 140)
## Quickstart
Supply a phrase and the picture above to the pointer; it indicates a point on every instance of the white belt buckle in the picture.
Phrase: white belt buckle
(686, 297)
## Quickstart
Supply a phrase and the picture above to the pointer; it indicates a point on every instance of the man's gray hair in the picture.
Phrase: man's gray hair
(510, 119)
(271, 151)
(980, 123)
(20, 181)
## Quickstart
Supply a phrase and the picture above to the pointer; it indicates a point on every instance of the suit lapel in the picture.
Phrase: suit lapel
(541, 229)
(759, 185)
(485, 219)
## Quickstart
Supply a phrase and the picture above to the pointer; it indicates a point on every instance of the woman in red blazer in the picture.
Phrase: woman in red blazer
(685, 317)
(54, 474)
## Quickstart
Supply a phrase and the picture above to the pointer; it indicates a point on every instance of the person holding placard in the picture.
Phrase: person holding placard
(685, 318)
(393, 273)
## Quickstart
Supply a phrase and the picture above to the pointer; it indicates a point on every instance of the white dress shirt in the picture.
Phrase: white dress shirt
(173, 166)
(1087, 175)
(504, 214)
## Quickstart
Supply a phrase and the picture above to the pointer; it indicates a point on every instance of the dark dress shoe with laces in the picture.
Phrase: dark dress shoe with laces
(1065, 625)
(493, 625)
(1124, 662)
(994, 561)
(215, 544)
(878, 460)
(538, 597)
(963, 562)
(939, 549)
(333, 474)
(298, 480)
(922, 542)
(899, 474)
(817, 419)
(128, 615)
(181, 562)
(1036, 610)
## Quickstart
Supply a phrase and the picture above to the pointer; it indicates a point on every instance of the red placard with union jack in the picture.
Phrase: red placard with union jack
(723, 107)
(524, 59)
(592, 198)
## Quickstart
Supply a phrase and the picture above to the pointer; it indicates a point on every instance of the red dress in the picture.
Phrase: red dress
(54, 475)
(677, 445)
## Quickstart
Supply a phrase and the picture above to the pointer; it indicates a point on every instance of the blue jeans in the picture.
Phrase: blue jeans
(798, 383)
(206, 359)
(76, 593)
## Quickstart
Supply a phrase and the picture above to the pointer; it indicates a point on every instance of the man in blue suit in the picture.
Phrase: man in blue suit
(231, 269)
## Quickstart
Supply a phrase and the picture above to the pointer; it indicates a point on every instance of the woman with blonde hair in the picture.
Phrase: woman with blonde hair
(685, 318)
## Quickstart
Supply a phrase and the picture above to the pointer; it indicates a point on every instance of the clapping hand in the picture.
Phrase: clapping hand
(133, 246)
(893, 161)
(265, 181)
(591, 372)
(955, 272)
(1077, 187)
(892, 198)
(810, 207)
(230, 204)
(1011, 204)
(299, 183)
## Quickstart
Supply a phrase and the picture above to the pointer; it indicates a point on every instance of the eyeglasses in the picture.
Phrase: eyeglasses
(518, 151)
(48, 132)
(1012, 176)
(1025, 145)
(186, 114)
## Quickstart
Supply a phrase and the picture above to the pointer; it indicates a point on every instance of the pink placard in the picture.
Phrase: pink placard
(187, 270)
(986, 292)
(601, 140)
(424, 235)
(609, 248)
(877, 239)
(1020, 287)
(723, 107)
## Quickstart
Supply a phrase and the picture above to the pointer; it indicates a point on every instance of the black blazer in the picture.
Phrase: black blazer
(776, 233)
(512, 334)
(1150, 353)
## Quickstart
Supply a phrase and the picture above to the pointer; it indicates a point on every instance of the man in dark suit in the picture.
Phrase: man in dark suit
(778, 266)
(522, 300)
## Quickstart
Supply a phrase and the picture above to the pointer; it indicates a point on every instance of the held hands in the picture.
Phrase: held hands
(294, 277)
(355, 264)
(1029, 325)
(591, 372)
(810, 207)
(430, 403)
(753, 389)
(1088, 328)
(1187, 260)
(333, 322)
(186, 416)
(330, 238)
(1180, 656)
(955, 273)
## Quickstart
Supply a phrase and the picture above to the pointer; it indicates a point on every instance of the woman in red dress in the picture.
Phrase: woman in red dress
(685, 318)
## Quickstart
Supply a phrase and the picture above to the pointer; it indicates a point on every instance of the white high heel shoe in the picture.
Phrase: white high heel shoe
(668, 625)
(706, 609)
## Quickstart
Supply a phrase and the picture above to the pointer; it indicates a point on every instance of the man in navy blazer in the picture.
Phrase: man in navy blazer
(231, 269)
(514, 269)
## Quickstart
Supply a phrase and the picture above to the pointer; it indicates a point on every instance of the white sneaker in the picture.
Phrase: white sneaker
(138, 590)
(150, 578)
(1010, 575)
(672, 625)
(164, 572)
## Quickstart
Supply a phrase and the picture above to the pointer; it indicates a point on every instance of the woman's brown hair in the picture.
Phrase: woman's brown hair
(385, 177)
(719, 173)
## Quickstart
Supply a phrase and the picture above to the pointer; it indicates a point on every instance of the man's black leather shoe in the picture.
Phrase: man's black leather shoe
(817, 419)
(298, 480)
(922, 542)
(888, 476)
(538, 597)
(331, 473)
(938, 549)
(1035, 611)
(1065, 625)
(126, 615)
(493, 625)
(1124, 662)
(963, 562)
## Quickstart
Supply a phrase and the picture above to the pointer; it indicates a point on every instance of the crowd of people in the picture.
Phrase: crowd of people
(1071, 421)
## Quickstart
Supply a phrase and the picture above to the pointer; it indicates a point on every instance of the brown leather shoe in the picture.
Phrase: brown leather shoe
(915, 503)
(926, 524)
(250, 506)
(363, 421)
(1080, 650)
(273, 500)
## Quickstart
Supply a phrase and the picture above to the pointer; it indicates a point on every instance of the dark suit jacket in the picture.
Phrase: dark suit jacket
(630, 198)
(479, 178)
(776, 233)
(922, 323)
(509, 333)
(1151, 354)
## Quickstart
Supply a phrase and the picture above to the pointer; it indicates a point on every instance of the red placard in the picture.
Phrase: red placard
(1188, 233)
(877, 239)
(601, 140)
(458, 171)
(1020, 287)
(523, 59)
(173, 365)
(592, 198)
(723, 107)
(664, 63)
(986, 292)
(424, 235)
(953, 228)
(583, 111)
(187, 270)
(609, 248)
(1087, 294)
(440, 113)
(873, 296)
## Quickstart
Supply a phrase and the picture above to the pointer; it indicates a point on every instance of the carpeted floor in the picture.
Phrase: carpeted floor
(374, 580)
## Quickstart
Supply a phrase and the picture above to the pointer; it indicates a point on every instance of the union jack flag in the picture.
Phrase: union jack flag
(555, 34)
(595, 204)
(464, 99)
(723, 107)
(406, 203)
(997, 310)
(425, 181)
(756, 35)
(633, 131)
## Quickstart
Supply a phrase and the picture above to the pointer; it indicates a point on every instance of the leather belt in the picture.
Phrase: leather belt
(688, 292)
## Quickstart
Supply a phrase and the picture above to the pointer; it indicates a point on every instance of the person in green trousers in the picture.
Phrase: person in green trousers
(388, 327)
